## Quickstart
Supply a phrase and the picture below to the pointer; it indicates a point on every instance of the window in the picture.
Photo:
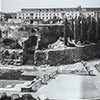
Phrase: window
(46, 17)
(57, 15)
(31, 14)
(39, 10)
(54, 10)
(27, 17)
(35, 17)
(47, 10)
(43, 17)
(61, 9)
(19, 17)
(63, 14)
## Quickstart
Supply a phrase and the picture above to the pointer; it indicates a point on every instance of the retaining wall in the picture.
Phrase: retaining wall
(68, 55)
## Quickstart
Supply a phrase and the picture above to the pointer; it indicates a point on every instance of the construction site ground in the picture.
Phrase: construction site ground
(68, 86)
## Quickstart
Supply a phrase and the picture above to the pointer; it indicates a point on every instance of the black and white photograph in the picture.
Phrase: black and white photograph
(49, 49)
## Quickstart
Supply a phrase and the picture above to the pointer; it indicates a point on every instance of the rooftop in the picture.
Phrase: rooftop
(69, 9)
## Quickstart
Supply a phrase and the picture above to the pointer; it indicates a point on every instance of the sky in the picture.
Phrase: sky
(16, 5)
(0, 5)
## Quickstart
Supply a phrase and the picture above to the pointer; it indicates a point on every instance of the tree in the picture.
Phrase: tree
(83, 35)
(93, 34)
(0, 34)
(78, 28)
(65, 31)
(92, 30)
(72, 28)
(89, 28)
(98, 29)
(97, 33)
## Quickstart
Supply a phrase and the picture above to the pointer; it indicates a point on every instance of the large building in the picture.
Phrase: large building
(60, 13)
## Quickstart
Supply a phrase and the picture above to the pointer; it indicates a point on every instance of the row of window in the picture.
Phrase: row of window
(41, 10)
(36, 17)
(90, 14)
(44, 17)
(32, 14)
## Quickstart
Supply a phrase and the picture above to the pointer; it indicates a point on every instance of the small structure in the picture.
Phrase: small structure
(42, 77)
(26, 89)
(12, 57)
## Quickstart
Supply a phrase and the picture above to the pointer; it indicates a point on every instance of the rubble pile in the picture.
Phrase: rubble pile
(11, 41)
(59, 44)
(12, 57)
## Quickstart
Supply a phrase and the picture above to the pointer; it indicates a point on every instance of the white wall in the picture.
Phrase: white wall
(51, 13)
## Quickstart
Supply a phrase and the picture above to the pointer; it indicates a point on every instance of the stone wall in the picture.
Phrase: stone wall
(68, 55)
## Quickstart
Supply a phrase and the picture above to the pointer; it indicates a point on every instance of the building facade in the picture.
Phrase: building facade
(60, 13)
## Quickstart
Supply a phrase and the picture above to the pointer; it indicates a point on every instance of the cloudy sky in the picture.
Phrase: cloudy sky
(16, 5)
